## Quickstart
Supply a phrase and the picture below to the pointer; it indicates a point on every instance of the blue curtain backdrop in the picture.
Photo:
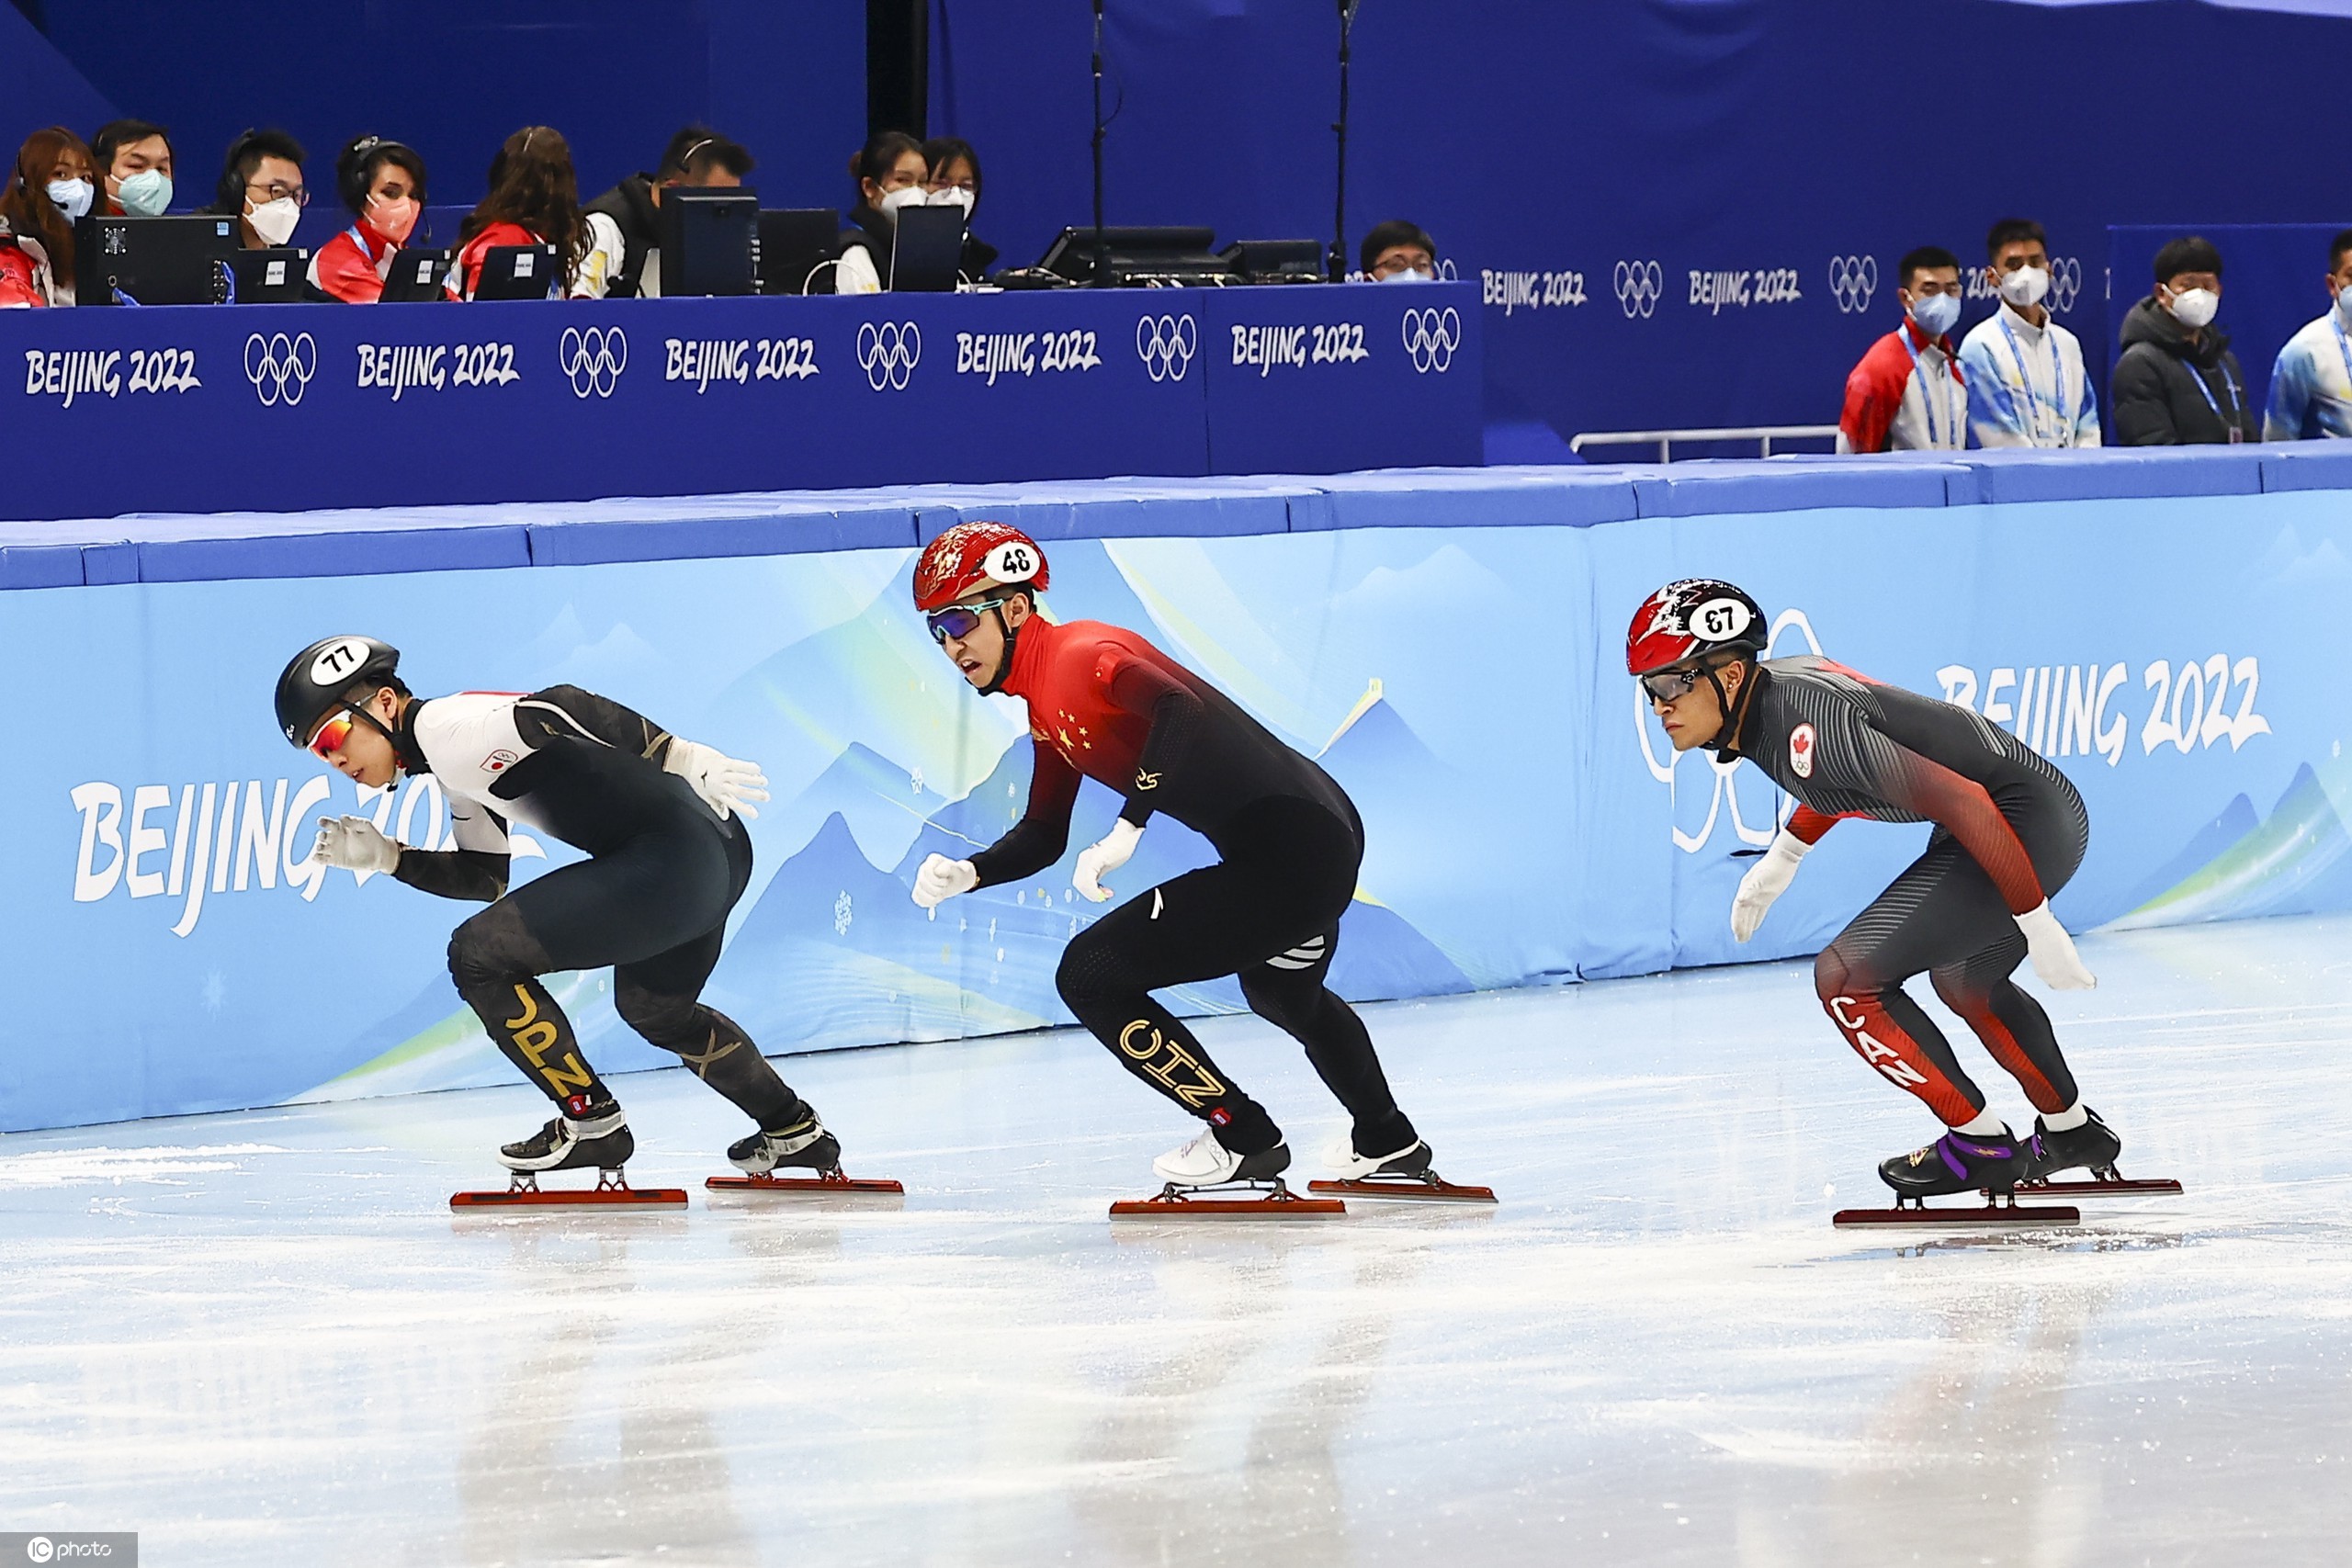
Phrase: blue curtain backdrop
(1767, 146)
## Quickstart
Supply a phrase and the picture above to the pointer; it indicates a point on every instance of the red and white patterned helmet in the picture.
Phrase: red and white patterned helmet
(973, 556)
(1697, 615)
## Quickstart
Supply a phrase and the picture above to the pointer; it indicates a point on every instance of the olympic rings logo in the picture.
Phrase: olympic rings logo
(2065, 281)
(1724, 791)
(1165, 345)
(593, 358)
(1445, 273)
(280, 368)
(1430, 338)
(887, 352)
(1852, 280)
(1640, 285)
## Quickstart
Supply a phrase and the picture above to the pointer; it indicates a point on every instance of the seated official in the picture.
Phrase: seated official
(261, 186)
(53, 185)
(534, 200)
(2027, 382)
(624, 259)
(1397, 252)
(889, 171)
(2177, 383)
(954, 180)
(382, 182)
(134, 164)
(2311, 385)
(1907, 394)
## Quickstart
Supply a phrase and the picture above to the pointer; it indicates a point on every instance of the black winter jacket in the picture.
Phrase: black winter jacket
(2156, 393)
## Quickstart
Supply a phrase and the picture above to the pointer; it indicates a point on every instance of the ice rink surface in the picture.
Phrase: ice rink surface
(265, 1338)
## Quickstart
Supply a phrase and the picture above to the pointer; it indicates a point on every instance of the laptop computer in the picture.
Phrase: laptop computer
(153, 261)
(795, 244)
(709, 241)
(517, 272)
(924, 256)
(414, 276)
(274, 277)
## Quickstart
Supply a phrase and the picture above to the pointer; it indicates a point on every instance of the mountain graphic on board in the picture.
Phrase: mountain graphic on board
(2292, 862)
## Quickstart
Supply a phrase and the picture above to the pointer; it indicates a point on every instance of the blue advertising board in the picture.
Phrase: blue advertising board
(285, 408)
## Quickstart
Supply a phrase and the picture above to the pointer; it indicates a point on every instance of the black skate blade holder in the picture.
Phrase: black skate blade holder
(1177, 1200)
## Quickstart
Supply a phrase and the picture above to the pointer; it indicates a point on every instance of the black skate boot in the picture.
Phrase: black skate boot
(2093, 1146)
(805, 1144)
(598, 1136)
(1959, 1162)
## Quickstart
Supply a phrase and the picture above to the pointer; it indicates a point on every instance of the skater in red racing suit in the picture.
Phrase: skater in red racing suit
(1106, 703)
(2009, 832)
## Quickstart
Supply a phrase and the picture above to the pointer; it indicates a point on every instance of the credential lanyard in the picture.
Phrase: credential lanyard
(2343, 345)
(1958, 417)
(2057, 379)
(2237, 430)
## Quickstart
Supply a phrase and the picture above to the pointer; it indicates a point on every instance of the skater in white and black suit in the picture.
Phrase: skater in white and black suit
(660, 819)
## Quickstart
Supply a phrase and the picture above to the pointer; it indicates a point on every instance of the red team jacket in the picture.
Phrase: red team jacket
(1896, 402)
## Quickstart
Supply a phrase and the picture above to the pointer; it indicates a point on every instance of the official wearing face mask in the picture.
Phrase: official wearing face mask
(1907, 394)
(1398, 251)
(382, 183)
(2027, 383)
(51, 187)
(2177, 383)
(889, 171)
(2311, 385)
(261, 186)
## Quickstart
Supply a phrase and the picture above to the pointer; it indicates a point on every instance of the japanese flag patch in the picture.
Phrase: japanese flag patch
(1800, 750)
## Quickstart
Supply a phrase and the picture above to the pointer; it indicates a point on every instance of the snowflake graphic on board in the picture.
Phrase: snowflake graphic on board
(842, 915)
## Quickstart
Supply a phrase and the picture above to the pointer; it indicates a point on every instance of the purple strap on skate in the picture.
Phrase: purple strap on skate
(1989, 1151)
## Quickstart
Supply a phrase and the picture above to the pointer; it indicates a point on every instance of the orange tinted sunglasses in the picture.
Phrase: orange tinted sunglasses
(328, 739)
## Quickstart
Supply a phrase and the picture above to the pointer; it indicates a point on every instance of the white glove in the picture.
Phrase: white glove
(1106, 853)
(939, 879)
(2053, 951)
(725, 783)
(353, 844)
(1765, 880)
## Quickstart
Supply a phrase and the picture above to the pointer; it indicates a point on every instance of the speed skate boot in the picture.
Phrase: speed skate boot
(2092, 1147)
(598, 1136)
(1341, 1158)
(1204, 1162)
(1406, 1173)
(805, 1144)
(1959, 1162)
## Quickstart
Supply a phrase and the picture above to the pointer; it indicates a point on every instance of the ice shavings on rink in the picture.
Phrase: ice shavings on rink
(1655, 1350)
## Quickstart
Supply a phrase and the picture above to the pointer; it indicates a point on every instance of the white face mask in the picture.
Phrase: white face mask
(274, 221)
(905, 196)
(2194, 309)
(2343, 305)
(1935, 314)
(2025, 286)
(72, 197)
(953, 196)
(1410, 274)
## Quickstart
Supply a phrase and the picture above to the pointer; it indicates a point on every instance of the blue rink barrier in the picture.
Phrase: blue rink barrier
(1446, 640)
(303, 407)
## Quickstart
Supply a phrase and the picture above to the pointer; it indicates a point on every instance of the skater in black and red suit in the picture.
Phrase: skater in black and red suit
(2009, 832)
(1105, 704)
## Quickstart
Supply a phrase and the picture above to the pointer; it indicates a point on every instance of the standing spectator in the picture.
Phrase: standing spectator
(623, 258)
(53, 186)
(2027, 384)
(134, 162)
(382, 183)
(2311, 386)
(1907, 394)
(261, 187)
(954, 180)
(534, 200)
(889, 171)
(1397, 252)
(2177, 383)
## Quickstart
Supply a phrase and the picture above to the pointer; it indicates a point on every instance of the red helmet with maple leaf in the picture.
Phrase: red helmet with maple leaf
(1697, 615)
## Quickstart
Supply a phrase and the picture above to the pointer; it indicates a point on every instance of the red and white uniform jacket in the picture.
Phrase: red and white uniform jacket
(353, 266)
(1907, 395)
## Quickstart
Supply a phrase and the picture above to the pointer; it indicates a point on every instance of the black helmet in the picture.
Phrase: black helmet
(320, 675)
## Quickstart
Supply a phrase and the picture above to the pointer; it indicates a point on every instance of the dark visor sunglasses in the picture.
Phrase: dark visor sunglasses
(1673, 686)
(957, 621)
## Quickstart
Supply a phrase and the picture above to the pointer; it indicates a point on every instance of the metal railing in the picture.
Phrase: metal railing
(1764, 435)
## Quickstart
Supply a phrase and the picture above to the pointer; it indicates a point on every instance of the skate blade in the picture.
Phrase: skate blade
(832, 1181)
(1278, 1203)
(1420, 1188)
(1990, 1216)
(612, 1191)
(2103, 1187)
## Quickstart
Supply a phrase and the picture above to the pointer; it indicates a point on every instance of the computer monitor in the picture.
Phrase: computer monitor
(925, 254)
(415, 276)
(152, 261)
(796, 243)
(274, 277)
(1135, 256)
(709, 240)
(1276, 261)
(517, 272)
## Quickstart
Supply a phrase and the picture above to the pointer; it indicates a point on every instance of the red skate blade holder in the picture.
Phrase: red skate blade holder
(1913, 1213)
(2104, 1183)
(826, 1182)
(612, 1191)
(1430, 1189)
(1276, 1202)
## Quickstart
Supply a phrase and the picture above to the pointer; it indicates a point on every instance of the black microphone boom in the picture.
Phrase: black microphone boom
(1339, 257)
(1102, 253)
